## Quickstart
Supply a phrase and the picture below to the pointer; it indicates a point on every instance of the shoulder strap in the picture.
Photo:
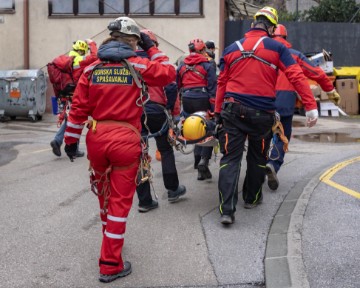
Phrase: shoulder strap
(136, 75)
(241, 48)
(140, 83)
(251, 53)
(193, 69)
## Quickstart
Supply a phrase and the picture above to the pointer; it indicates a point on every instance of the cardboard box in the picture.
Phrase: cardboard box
(348, 72)
(348, 90)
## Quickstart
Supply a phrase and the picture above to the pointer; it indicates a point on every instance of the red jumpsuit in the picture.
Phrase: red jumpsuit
(108, 93)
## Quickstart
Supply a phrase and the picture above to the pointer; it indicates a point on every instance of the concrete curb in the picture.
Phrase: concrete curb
(284, 266)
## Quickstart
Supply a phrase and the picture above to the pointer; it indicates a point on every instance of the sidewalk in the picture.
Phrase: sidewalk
(303, 235)
(265, 245)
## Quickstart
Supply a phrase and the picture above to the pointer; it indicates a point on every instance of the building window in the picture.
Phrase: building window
(7, 6)
(188, 8)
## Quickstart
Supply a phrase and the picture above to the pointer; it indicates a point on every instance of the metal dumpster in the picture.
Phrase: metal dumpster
(22, 94)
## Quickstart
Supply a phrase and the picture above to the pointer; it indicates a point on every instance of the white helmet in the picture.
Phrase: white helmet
(124, 25)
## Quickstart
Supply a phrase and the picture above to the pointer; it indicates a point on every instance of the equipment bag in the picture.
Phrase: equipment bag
(60, 72)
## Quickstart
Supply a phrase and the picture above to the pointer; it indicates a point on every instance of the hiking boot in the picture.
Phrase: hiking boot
(203, 169)
(80, 153)
(253, 205)
(153, 205)
(273, 181)
(227, 219)
(55, 148)
(109, 278)
(174, 196)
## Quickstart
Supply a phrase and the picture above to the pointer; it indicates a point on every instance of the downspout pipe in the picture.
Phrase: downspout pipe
(26, 35)
(222, 27)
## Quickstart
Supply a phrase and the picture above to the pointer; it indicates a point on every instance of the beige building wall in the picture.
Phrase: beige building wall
(11, 39)
(49, 37)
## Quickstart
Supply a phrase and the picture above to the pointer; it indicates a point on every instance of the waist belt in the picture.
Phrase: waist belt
(195, 90)
(229, 106)
(91, 124)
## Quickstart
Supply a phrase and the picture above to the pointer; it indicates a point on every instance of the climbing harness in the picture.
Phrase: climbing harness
(191, 68)
(104, 177)
(251, 54)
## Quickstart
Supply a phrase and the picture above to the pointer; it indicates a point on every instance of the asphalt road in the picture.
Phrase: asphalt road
(304, 235)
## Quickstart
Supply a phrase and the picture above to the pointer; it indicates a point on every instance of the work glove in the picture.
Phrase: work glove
(334, 96)
(311, 117)
(145, 42)
(88, 41)
(70, 151)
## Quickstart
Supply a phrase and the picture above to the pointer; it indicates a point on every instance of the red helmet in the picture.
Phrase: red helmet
(196, 45)
(151, 35)
(280, 31)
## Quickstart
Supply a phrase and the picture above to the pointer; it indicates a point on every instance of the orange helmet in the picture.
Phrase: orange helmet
(196, 45)
(280, 31)
(151, 35)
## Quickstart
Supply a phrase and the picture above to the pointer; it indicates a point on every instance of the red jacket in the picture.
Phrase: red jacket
(197, 71)
(109, 91)
(310, 71)
(251, 81)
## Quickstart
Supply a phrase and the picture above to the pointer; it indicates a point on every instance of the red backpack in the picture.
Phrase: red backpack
(60, 72)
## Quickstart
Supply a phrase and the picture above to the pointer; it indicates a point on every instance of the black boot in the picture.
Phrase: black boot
(203, 169)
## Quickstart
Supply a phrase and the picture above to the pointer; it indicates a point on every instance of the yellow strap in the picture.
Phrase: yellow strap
(91, 124)
(279, 130)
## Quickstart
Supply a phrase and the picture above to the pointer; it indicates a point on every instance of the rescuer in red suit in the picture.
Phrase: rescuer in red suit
(110, 92)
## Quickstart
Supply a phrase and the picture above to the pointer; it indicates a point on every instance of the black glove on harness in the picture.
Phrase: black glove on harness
(145, 43)
(218, 122)
(70, 151)
(218, 119)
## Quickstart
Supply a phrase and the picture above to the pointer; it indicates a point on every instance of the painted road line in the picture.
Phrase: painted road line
(331, 172)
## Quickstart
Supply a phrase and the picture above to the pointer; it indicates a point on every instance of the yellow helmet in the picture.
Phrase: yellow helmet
(270, 13)
(80, 45)
(194, 127)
